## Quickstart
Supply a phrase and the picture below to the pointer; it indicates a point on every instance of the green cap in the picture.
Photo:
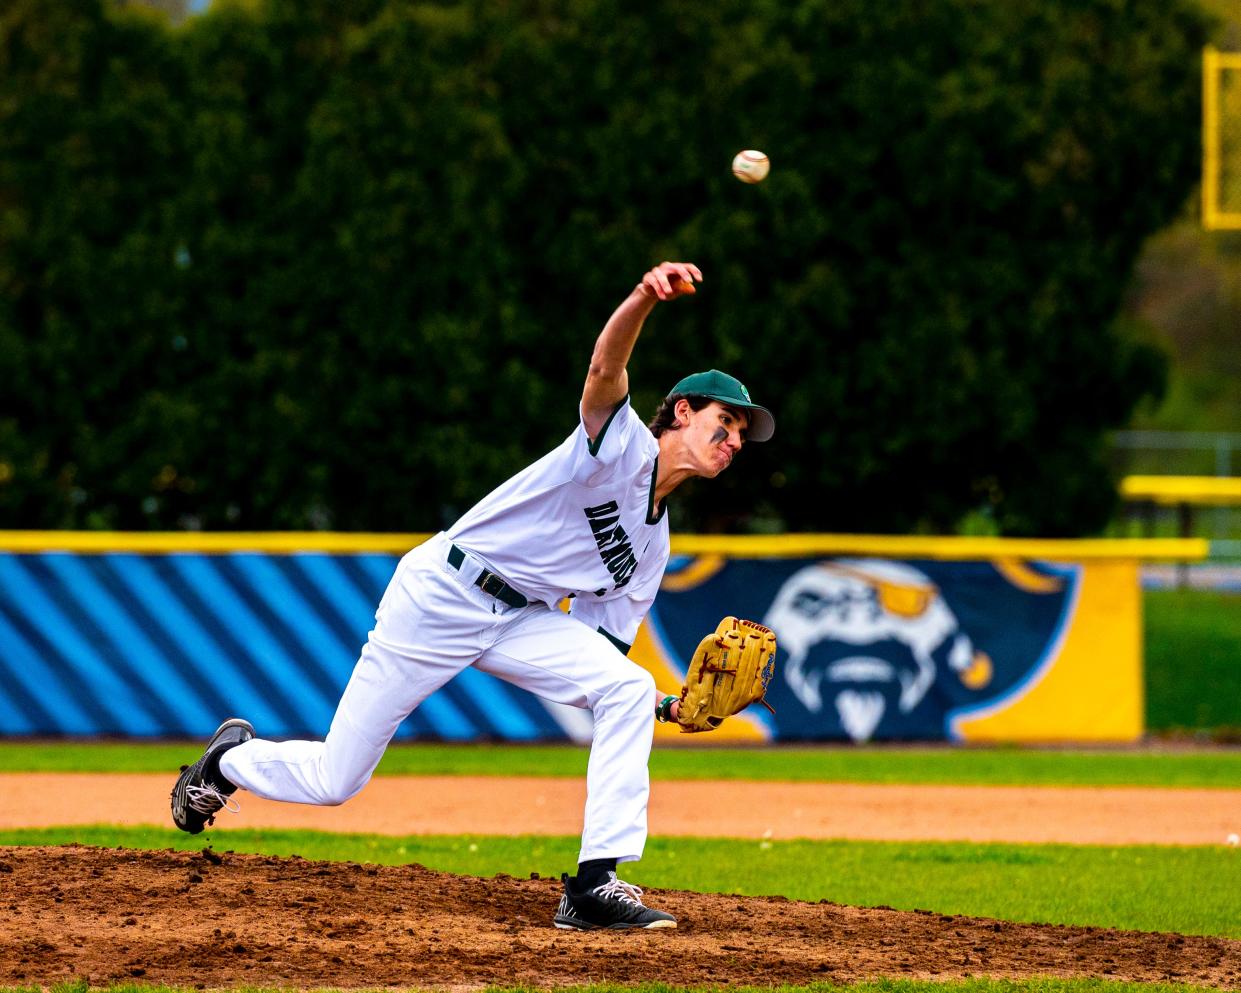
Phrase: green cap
(716, 385)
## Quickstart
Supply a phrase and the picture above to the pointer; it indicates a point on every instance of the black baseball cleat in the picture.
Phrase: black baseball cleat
(615, 905)
(197, 798)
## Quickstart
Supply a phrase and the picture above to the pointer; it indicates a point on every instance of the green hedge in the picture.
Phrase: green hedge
(341, 264)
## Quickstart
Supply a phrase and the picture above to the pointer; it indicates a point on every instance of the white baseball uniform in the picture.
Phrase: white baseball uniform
(578, 523)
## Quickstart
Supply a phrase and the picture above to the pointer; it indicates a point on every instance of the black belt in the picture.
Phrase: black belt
(489, 582)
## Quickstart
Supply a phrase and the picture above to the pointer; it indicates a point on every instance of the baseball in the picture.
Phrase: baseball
(751, 166)
(1233, 839)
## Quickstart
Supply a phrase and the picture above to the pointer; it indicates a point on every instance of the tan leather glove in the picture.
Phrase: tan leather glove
(731, 668)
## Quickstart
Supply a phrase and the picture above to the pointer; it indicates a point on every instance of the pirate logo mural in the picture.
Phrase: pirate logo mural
(893, 628)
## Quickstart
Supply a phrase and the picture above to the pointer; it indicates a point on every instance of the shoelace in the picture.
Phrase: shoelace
(618, 889)
(206, 799)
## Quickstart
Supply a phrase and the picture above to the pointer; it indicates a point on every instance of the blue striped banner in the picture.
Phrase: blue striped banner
(167, 645)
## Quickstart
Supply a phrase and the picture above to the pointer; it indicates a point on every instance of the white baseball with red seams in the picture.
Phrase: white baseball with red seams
(751, 166)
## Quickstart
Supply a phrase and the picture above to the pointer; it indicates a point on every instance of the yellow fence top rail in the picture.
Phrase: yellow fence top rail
(737, 546)
(931, 547)
(210, 542)
(1203, 490)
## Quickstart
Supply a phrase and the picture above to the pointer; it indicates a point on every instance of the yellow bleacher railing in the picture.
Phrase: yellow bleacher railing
(1207, 491)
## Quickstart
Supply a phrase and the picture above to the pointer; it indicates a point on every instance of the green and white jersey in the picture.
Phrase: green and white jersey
(580, 522)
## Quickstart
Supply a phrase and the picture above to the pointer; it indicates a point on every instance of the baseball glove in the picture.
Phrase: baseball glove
(729, 671)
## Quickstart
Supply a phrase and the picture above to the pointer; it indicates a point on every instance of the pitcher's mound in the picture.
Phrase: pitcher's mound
(218, 919)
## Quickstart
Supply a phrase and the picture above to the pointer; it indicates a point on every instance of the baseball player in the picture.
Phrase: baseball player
(588, 522)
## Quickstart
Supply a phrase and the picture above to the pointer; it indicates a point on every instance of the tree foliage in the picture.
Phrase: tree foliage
(341, 264)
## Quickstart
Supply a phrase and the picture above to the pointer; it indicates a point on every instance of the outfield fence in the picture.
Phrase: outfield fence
(882, 638)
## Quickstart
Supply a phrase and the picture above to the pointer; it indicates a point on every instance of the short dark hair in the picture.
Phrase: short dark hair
(665, 418)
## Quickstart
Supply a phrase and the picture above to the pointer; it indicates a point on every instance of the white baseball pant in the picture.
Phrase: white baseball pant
(433, 622)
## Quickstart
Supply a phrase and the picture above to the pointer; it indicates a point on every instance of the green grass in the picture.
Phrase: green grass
(1043, 985)
(1207, 767)
(1191, 890)
(1193, 660)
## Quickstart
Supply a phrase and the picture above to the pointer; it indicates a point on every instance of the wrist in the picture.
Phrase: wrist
(644, 298)
(667, 708)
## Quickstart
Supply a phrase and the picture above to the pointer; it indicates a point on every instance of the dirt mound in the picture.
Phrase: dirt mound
(219, 919)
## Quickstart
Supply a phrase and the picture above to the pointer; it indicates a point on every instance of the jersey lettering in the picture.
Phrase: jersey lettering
(605, 530)
(612, 542)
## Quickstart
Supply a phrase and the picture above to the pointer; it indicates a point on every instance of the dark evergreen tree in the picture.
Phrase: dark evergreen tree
(342, 263)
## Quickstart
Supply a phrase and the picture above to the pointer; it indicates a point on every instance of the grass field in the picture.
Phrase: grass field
(1200, 767)
(1193, 661)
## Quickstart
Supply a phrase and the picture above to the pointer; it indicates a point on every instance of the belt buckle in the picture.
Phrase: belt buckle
(490, 583)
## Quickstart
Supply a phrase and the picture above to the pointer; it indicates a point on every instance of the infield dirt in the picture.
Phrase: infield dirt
(400, 805)
(211, 920)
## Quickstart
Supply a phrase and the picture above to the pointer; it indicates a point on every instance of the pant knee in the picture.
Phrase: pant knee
(644, 691)
(334, 792)
(334, 797)
(635, 691)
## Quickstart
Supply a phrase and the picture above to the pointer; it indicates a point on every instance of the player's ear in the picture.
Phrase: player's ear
(682, 411)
